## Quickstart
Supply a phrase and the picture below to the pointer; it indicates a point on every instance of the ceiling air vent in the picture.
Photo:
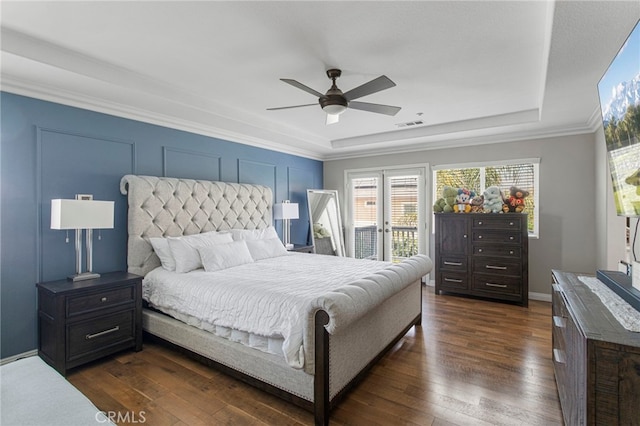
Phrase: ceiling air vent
(410, 123)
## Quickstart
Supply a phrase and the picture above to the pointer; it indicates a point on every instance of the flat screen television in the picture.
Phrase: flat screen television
(619, 91)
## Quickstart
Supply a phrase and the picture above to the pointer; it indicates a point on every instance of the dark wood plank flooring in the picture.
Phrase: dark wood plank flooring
(472, 362)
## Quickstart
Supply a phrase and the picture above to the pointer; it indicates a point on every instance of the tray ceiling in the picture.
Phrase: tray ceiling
(466, 72)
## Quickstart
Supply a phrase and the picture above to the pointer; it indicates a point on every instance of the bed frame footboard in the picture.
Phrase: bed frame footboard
(356, 350)
(353, 352)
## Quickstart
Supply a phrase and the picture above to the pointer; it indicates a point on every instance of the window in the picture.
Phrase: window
(477, 177)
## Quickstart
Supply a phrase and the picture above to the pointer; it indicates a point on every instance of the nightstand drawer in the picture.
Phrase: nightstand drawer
(100, 300)
(101, 333)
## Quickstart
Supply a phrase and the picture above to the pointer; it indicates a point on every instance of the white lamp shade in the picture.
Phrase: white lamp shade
(81, 214)
(334, 109)
(285, 211)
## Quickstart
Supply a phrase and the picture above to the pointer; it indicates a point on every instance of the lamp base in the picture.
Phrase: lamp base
(84, 276)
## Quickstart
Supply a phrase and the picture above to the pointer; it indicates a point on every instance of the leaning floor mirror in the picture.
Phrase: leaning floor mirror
(326, 226)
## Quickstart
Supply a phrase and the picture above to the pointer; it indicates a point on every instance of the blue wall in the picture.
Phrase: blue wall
(54, 151)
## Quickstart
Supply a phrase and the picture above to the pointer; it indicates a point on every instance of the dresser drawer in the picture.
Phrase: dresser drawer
(499, 222)
(482, 236)
(101, 333)
(496, 284)
(496, 266)
(497, 250)
(453, 281)
(455, 264)
(78, 305)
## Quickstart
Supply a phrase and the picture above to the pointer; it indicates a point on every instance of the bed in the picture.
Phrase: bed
(340, 331)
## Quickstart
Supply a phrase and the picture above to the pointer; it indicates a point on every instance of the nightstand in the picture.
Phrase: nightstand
(301, 248)
(82, 321)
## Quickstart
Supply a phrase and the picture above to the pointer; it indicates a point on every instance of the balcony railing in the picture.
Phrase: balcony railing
(404, 240)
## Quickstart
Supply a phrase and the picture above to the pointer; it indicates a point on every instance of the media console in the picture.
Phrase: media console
(620, 283)
(596, 360)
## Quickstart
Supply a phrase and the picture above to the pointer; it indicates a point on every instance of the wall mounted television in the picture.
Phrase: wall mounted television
(619, 92)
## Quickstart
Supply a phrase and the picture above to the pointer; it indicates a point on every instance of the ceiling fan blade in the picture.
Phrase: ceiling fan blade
(293, 106)
(377, 84)
(378, 108)
(332, 119)
(303, 87)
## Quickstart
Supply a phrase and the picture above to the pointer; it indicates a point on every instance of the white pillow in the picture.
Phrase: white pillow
(184, 249)
(253, 234)
(162, 250)
(264, 249)
(223, 256)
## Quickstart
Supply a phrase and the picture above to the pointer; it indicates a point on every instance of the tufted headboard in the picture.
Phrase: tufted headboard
(170, 207)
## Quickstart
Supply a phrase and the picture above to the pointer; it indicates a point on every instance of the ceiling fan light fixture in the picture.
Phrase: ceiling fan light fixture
(335, 109)
(335, 102)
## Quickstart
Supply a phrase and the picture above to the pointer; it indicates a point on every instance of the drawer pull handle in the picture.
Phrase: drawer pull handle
(102, 333)
(559, 321)
(452, 280)
(104, 299)
(510, 251)
(510, 223)
(480, 222)
(464, 236)
(479, 250)
(496, 285)
(502, 268)
(479, 237)
(511, 237)
(558, 356)
(453, 263)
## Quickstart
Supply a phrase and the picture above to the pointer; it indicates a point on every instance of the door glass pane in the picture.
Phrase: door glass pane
(403, 200)
(365, 207)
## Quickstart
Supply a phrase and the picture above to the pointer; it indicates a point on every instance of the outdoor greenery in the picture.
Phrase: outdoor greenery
(621, 133)
(506, 176)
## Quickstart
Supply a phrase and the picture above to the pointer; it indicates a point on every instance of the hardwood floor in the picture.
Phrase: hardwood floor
(472, 362)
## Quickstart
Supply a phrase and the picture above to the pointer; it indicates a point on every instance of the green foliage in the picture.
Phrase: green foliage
(405, 247)
(504, 177)
(621, 133)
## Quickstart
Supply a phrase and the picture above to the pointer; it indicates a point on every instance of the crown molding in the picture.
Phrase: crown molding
(53, 94)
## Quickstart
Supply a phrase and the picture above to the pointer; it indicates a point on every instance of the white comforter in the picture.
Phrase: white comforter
(277, 296)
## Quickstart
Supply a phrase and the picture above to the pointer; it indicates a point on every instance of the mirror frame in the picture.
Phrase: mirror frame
(339, 241)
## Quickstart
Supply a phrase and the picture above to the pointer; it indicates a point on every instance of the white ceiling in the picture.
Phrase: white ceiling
(473, 72)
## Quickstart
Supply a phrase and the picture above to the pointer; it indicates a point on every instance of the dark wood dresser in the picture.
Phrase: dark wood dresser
(82, 321)
(595, 359)
(482, 255)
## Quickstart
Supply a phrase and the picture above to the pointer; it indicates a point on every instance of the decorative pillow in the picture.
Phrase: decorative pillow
(162, 250)
(264, 249)
(253, 234)
(184, 249)
(223, 256)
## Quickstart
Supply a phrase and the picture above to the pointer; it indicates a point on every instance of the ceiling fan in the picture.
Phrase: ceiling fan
(334, 102)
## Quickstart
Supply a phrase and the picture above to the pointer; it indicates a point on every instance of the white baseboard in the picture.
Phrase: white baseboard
(543, 297)
(9, 359)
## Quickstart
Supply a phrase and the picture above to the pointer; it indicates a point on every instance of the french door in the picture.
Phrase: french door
(386, 213)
